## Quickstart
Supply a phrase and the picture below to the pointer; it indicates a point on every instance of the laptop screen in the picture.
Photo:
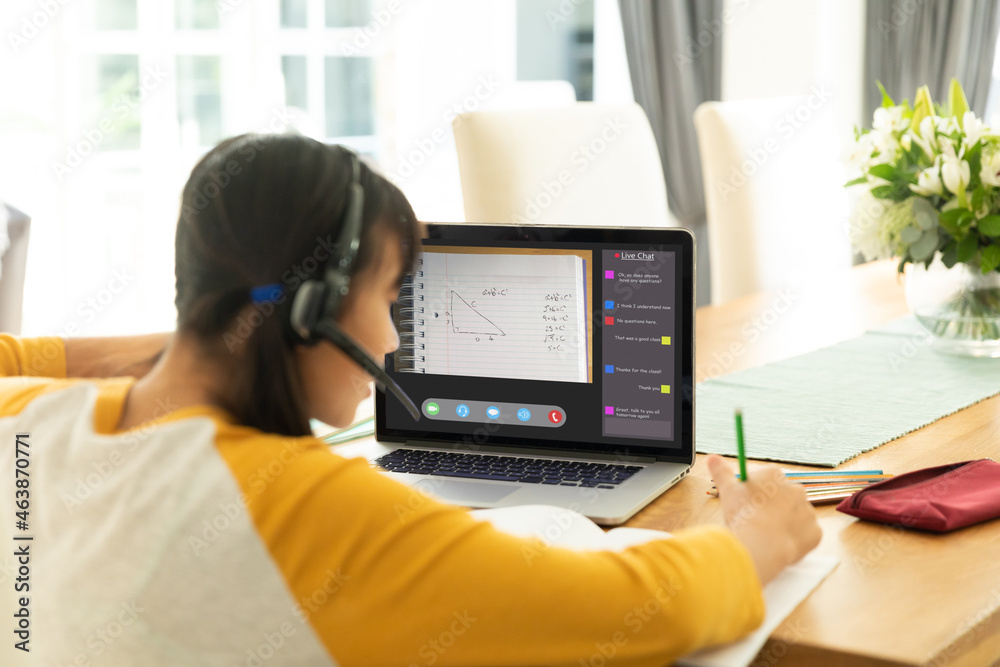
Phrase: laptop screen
(555, 337)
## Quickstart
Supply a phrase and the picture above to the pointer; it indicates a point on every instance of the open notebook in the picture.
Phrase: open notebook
(499, 315)
(565, 528)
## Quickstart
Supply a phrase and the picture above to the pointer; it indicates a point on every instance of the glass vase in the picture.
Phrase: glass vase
(960, 307)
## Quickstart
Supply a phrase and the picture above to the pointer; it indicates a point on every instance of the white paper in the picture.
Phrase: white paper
(503, 315)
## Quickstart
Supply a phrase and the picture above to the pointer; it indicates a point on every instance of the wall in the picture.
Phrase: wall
(774, 48)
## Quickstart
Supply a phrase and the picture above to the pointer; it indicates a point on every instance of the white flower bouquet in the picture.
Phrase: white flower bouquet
(931, 189)
(934, 175)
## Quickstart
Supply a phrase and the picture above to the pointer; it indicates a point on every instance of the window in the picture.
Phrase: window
(122, 97)
(154, 85)
(556, 42)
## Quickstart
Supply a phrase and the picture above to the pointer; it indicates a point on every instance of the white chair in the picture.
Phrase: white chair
(13, 262)
(582, 164)
(774, 196)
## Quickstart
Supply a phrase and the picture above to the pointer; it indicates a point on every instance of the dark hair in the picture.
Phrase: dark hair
(262, 209)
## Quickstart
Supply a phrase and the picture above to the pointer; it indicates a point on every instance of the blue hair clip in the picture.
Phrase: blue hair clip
(266, 293)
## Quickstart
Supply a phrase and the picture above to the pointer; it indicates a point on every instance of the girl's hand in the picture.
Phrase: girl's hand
(769, 514)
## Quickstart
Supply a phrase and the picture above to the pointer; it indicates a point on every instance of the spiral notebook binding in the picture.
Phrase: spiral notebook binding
(408, 358)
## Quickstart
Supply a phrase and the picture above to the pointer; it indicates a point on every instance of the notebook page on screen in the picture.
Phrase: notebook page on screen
(503, 315)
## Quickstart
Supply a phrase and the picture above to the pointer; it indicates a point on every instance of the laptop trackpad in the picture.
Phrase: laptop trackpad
(466, 493)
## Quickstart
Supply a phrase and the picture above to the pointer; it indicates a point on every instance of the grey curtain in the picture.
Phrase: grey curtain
(674, 53)
(910, 43)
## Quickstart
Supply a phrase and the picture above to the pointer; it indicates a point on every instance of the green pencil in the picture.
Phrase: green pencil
(739, 445)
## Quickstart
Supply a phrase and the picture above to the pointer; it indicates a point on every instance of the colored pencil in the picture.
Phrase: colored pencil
(739, 445)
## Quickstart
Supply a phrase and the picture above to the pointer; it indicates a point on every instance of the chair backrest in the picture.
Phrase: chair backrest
(581, 164)
(13, 263)
(774, 196)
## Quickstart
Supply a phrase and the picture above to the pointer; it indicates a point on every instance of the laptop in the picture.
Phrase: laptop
(551, 365)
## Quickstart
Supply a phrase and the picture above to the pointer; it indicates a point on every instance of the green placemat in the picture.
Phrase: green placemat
(828, 406)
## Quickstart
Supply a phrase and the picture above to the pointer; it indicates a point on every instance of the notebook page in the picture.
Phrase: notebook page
(517, 316)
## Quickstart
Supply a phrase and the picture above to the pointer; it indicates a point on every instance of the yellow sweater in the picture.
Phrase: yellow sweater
(237, 547)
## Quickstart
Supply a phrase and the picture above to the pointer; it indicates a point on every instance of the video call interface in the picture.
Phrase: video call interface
(541, 340)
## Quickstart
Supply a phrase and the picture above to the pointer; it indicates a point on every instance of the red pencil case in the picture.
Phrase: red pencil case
(939, 499)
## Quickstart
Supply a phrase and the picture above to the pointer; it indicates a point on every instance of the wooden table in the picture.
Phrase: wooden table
(897, 597)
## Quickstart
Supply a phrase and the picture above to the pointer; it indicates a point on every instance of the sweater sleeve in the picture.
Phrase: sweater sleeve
(34, 357)
(388, 576)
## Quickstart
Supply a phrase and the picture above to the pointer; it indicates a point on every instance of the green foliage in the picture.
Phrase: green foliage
(989, 258)
(895, 192)
(949, 254)
(922, 106)
(925, 246)
(989, 226)
(966, 248)
(956, 221)
(886, 100)
(957, 104)
(978, 197)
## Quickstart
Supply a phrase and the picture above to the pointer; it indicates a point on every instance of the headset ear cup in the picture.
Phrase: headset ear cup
(307, 308)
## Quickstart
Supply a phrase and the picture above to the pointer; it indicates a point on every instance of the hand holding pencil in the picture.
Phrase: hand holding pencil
(770, 515)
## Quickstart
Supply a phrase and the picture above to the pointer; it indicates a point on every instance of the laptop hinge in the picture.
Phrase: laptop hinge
(530, 451)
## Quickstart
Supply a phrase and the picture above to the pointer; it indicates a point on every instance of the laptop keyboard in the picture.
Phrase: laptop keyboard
(507, 468)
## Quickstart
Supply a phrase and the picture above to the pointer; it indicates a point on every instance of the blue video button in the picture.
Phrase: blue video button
(462, 410)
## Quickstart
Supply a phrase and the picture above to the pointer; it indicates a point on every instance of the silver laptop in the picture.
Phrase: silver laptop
(551, 365)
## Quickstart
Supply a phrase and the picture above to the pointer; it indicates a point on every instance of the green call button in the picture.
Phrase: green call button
(432, 409)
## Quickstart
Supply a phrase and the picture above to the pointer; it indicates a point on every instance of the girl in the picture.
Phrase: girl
(182, 514)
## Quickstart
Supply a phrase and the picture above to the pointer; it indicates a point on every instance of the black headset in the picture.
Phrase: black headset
(317, 302)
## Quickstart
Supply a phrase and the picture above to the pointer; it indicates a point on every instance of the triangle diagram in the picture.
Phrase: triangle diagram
(466, 319)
